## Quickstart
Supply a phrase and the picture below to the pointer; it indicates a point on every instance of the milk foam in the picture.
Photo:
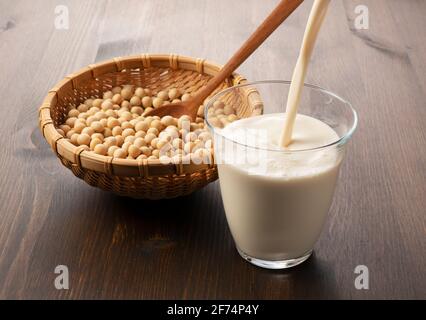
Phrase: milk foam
(265, 156)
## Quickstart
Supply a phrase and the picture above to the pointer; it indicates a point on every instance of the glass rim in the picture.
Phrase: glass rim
(342, 140)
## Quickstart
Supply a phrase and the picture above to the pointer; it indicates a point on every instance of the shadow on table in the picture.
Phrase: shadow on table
(165, 208)
(155, 224)
(313, 279)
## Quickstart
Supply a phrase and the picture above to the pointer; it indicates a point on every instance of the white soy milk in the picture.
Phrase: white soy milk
(276, 210)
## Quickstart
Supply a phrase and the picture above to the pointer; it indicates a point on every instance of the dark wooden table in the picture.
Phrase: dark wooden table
(120, 248)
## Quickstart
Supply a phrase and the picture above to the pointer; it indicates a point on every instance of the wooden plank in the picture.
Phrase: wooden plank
(393, 147)
(410, 20)
(37, 57)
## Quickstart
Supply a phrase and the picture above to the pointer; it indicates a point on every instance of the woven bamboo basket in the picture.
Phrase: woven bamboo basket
(148, 179)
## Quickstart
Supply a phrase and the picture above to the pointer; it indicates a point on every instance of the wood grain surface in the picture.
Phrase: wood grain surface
(121, 248)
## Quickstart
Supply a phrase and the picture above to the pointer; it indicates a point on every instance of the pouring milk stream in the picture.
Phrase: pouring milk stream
(315, 20)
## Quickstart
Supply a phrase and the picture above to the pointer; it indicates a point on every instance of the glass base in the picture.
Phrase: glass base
(275, 264)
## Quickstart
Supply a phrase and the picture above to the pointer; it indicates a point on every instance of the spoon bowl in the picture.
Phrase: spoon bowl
(175, 110)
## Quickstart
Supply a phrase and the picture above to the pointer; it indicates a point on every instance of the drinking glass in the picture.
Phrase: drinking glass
(276, 217)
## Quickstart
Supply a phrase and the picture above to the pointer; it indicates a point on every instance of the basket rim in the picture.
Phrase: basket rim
(80, 155)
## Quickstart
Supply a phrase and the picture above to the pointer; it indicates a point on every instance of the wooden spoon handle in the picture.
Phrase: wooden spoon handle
(280, 13)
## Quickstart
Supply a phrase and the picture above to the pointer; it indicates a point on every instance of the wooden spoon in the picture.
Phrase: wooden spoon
(190, 107)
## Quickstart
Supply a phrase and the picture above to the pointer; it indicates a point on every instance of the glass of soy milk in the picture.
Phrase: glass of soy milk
(276, 198)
